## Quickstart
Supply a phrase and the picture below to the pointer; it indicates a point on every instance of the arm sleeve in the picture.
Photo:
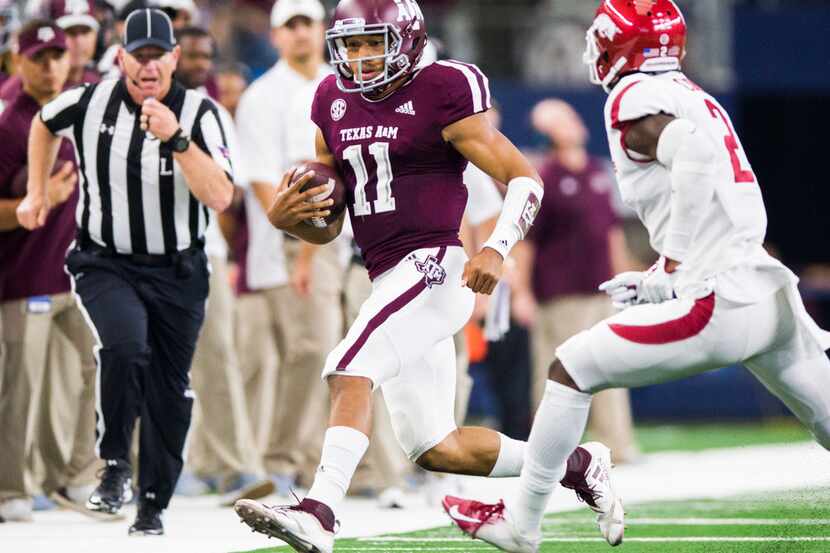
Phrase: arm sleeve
(483, 201)
(62, 113)
(210, 136)
(260, 139)
(466, 92)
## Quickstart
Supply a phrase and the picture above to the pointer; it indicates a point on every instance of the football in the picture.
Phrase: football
(335, 189)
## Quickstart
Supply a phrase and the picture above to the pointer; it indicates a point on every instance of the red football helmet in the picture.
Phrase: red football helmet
(401, 22)
(634, 35)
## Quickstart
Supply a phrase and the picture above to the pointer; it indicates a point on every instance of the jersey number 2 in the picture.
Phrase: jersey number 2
(736, 153)
(384, 202)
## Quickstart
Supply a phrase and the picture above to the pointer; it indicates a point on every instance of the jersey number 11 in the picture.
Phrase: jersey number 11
(384, 202)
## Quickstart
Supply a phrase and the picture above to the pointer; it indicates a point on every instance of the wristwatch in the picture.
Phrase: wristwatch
(179, 142)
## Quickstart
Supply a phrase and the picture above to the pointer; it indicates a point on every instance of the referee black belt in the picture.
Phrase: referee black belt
(145, 260)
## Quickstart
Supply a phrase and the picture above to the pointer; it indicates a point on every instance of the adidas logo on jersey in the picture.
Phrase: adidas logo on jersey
(406, 109)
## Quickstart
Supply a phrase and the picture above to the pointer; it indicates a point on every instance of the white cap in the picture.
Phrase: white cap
(72, 13)
(78, 20)
(284, 10)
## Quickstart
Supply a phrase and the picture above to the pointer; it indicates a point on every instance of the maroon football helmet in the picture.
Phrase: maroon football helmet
(401, 22)
(634, 35)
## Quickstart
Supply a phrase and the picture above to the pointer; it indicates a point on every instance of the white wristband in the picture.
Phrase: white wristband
(521, 204)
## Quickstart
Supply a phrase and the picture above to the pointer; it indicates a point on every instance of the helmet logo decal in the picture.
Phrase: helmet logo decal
(605, 27)
(338, 109)
(408, 10)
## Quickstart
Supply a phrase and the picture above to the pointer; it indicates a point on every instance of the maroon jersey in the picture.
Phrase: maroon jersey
(31, 263)
(11, 88)
(404, 185)
(571, 230)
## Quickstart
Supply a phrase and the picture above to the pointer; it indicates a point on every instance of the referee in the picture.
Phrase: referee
(152, 159)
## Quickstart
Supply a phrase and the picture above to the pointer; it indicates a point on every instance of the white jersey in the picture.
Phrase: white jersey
(727, 253)
(275, 132)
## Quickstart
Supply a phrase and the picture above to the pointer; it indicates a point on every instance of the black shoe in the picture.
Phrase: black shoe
(115, 488)
(147, 522)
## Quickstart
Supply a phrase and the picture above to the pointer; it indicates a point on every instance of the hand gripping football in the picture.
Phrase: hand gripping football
(335, 189)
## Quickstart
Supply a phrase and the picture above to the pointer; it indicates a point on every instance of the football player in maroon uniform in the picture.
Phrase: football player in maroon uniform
(401, 136)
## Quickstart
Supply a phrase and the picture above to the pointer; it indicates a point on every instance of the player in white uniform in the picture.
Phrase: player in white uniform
(714, 298)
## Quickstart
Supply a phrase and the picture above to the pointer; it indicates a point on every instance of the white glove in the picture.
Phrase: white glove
(623, 288)
(636, 287)
(657, 285)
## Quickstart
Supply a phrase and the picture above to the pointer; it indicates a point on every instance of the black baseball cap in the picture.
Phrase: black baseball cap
(148, 27)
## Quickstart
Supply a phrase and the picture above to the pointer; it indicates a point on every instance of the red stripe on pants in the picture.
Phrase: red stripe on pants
(689, 325)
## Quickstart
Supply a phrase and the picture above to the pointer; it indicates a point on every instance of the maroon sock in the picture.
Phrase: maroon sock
(320, 510)
(577, 465)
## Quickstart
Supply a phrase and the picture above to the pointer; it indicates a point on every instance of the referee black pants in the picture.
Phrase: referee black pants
(146, 320)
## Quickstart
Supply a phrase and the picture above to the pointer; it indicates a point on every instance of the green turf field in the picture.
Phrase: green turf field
(797, 522)
(774, 523)
(697, 437)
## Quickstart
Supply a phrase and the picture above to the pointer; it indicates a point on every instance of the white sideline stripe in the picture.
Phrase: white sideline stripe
(100, 424)
(546, 539)
(704, 521)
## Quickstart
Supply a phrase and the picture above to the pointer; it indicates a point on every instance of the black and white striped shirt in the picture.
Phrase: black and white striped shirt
(134, 198)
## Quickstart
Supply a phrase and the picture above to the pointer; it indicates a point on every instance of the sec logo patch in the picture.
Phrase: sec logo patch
(338, 109)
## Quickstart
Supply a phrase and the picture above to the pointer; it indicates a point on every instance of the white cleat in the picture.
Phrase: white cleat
(594, 488)
(293, 524)
(490, 523)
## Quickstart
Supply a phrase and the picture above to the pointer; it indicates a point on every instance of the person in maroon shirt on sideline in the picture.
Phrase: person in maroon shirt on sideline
(35, 298)
(575, 245)
(81, 30)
